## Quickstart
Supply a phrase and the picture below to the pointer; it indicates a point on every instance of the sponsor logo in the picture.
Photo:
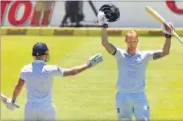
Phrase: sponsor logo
(173, 7)
(10, 10)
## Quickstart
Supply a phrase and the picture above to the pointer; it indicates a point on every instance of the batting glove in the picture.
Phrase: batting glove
(10, 104)
(168, 28)
(102, 20)
(93, 60)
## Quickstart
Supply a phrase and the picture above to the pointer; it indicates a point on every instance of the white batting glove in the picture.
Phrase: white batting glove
(101, 19)
(10, 105)
(93, 60)
(168, 28)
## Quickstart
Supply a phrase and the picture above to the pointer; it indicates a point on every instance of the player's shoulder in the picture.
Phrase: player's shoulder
(51, 67)
(119, 53)
(144, 52)
(150, 51)
(120, 50)
(26, 67)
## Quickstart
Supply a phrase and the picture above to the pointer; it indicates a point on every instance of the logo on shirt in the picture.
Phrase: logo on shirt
(127, 55)
(139, 56)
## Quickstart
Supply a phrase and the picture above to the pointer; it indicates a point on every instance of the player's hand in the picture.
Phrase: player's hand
(168, 28)
(5, 100)
(10, 104)
(108, 13)
(101, 19)
(93, 60)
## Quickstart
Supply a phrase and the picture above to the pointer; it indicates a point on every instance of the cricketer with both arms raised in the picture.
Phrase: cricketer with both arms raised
(132, 63)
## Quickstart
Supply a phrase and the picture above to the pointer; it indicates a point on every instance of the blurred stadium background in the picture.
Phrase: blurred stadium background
(69, 29)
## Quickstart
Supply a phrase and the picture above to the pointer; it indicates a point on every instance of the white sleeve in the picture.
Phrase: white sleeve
(149, 54)
(22, 74)
(119, 53)
(56, 71)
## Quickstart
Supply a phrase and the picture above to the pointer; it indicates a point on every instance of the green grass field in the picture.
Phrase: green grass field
(91, 94)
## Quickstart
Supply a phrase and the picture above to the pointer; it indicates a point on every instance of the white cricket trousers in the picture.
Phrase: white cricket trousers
(132, 103)
(44, 111)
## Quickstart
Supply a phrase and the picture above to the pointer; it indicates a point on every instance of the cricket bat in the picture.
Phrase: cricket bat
(4, 98)
(161, 20)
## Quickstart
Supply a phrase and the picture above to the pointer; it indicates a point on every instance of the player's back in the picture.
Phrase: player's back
(39, 80)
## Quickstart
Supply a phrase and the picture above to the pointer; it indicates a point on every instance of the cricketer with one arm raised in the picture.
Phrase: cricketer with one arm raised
(38, 77)
(132, 63)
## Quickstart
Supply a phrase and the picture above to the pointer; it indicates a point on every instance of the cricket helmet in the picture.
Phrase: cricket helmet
(39, 49)
(111, 12)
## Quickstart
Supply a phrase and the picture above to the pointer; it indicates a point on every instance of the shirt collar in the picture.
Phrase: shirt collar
(137, 52)
(39, 61)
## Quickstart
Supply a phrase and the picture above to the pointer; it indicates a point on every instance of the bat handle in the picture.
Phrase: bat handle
(175, 34)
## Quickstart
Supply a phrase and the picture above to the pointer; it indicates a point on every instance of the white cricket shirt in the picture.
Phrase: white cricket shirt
(132, 69)
(39, 80)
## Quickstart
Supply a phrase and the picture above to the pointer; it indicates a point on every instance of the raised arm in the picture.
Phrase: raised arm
(166, 47)
(165, 50)
(75, 70)
(92, 61)
(107, 13)
(108, 46)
